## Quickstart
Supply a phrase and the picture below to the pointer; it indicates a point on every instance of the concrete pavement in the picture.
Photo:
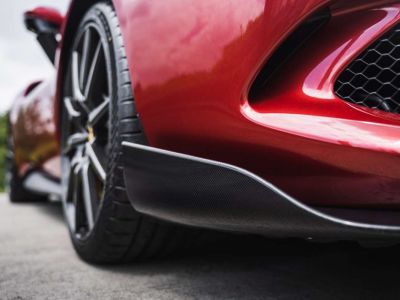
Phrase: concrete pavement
(37, 262)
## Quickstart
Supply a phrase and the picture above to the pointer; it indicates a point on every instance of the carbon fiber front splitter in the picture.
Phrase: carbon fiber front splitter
(204, 193)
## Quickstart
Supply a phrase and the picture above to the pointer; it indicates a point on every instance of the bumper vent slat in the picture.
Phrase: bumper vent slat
(373, 79)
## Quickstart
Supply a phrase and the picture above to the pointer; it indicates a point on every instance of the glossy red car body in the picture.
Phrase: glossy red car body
(193, 63)
(48, 14)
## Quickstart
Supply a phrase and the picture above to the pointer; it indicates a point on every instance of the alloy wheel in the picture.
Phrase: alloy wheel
(85, 130)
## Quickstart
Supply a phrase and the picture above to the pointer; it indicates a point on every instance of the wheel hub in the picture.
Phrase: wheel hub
(91, 136)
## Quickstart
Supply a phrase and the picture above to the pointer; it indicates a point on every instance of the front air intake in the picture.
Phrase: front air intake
(373, 79)
(287, 49)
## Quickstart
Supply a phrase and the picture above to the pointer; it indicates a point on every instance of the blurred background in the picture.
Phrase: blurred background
(21, 59)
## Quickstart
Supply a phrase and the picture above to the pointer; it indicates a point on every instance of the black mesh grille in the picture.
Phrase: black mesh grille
(373, 79)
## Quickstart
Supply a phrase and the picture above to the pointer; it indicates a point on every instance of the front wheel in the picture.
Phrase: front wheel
(98, 114)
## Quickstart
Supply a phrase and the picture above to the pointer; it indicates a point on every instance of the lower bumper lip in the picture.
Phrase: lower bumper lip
(204, 193)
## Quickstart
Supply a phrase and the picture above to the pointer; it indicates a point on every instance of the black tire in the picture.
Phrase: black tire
(118, 233)
(17, 193)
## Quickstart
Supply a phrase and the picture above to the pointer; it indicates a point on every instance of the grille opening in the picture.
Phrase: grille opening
(373, 79)
(290, 46)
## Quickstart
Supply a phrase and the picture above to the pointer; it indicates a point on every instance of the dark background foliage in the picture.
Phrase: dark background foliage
(3, 144)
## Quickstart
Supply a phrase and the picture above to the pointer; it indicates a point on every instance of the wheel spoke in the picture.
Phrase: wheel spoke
(96, 114)
(72, 113)
(77, 203)
(87, 195)
(70, 185)
(72, 168)
(75, 77)
(85, 55)
(77, 158)
(71, 195)
(75, 140)
(70, 214)
(95, 162)
(93, 71)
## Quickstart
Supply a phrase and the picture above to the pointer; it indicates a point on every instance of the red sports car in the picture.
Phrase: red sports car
(279, 118)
